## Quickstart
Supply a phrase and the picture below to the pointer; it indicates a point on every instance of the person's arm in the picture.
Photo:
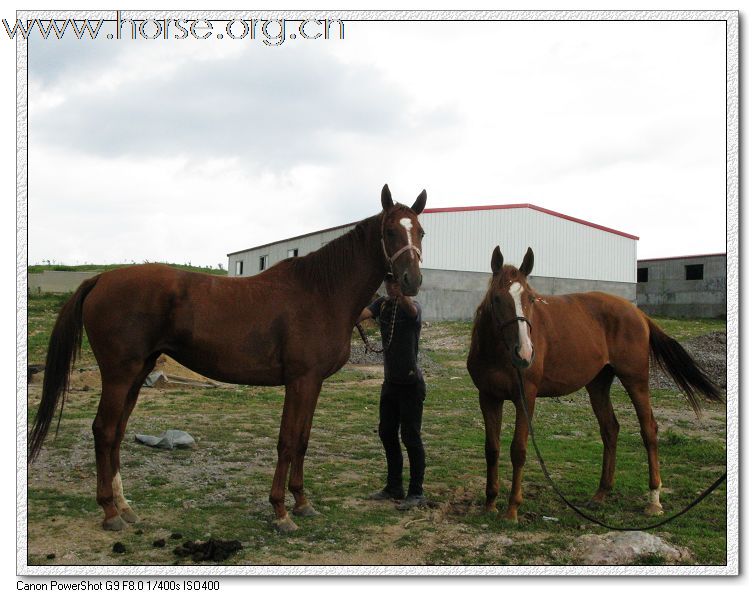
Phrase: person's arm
(370, 312)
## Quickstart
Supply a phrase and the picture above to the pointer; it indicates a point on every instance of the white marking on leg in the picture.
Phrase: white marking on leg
(118, 498)
(525, 343)
(655, 497)
(407, 223)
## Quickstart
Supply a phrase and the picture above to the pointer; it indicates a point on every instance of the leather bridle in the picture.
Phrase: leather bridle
(515, 359)
(390, 259)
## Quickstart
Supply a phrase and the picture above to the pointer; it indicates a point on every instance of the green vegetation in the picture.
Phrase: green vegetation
(682, 329)
(220, 488)
(90, 267)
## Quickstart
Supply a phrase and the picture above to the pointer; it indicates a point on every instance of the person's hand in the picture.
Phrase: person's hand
(394, 293)
(393, 288)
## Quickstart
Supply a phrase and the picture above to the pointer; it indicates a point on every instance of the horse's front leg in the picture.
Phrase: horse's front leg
(492, 409)
(519, 453)
(296, 422)
(302, 505)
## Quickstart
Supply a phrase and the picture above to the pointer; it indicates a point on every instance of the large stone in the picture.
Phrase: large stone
(627, 548)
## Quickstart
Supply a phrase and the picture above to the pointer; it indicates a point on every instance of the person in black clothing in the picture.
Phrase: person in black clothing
(402, 395)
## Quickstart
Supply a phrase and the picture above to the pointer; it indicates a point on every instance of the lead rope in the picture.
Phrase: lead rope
(367, 346)
(700, 497)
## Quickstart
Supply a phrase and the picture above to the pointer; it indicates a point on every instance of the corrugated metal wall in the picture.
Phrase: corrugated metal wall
(464, 241)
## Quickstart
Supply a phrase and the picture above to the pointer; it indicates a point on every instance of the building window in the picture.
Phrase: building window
(239, 267)
(263, 262)
(642, 274)
(293, 252)
(693, 271)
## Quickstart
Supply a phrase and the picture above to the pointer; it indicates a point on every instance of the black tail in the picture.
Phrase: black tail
(64, 348)
(680, 366)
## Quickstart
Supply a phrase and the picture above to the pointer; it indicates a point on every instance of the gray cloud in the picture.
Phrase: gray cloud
(274, 106)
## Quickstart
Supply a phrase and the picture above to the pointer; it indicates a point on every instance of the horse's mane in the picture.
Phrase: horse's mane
(485, 306)
(324, 268)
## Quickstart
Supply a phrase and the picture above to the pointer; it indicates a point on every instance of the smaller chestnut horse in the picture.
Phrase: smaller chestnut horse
(566, 343)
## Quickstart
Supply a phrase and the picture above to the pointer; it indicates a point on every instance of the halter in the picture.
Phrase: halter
(515, 359)
(390, 259)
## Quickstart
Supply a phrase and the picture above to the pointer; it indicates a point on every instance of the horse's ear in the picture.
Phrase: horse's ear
(419, 204)
(496, 261)
(386, 199)
(528, 263)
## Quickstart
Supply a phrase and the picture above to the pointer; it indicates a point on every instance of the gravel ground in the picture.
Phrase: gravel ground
(710, 353)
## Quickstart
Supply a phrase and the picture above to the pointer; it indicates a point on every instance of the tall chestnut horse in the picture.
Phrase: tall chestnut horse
(565, 343)
(290, 325)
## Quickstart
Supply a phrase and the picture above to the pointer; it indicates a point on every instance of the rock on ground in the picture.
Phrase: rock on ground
(627, 548)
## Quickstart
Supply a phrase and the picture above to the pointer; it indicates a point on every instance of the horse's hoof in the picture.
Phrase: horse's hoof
(492, 509)
(306, 510)
(511, 517)
(654, 509)
(114, 524)
(129, 516)
(285, 525)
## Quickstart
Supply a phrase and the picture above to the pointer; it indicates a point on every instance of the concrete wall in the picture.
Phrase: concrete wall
(58, 282)
(668, 293)
(440, 303)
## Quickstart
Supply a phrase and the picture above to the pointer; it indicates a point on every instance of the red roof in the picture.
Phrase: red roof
(535, 208)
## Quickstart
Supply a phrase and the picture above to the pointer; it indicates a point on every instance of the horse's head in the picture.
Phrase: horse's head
(511, 300)
(401, 237)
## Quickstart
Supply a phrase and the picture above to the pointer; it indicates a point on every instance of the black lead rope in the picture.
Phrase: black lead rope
(702, 495)
(367, 346)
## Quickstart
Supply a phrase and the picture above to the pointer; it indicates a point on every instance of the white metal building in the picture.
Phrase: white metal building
(570, 254)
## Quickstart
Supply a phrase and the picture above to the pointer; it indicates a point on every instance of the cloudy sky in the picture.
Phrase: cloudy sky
(185, 150)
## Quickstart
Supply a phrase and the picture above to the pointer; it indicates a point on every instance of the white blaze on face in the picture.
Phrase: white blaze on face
(525, 344)
(407, 223)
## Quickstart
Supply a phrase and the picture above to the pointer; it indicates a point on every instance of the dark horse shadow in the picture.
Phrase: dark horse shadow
(290, 325)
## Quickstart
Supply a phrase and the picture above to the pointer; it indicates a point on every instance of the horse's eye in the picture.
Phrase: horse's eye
(390, 233)
(422, 233)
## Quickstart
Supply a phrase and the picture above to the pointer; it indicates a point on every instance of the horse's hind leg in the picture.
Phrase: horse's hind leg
(638, 390)
(121, 504)
(105, 430)
(599, 390)
(492, 410)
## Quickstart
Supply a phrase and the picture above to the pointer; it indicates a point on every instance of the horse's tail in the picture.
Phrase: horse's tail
(64, 348)
(674, 360)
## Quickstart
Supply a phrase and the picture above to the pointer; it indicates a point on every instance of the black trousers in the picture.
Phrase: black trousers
(401, 412)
